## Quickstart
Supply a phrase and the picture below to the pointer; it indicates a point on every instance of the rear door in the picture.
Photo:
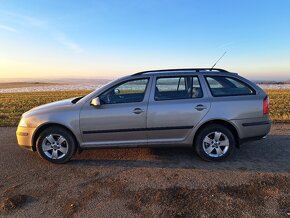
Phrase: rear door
(176, 105)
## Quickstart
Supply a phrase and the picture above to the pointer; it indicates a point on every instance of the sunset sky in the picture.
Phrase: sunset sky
(107, 39)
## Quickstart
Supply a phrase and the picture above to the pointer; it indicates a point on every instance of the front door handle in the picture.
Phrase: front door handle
(200, 107)
(138, 110)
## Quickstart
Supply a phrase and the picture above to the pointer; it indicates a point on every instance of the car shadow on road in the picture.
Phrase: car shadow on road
(269, 155)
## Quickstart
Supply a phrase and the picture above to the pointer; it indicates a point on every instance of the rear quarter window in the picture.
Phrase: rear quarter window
(228, 86)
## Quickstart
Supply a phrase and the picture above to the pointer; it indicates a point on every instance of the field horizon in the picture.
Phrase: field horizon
(91, 82)
(13, 105)
(100, 79)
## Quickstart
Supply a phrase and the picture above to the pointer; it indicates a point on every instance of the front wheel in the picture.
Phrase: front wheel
(56, 145)
(215, 142)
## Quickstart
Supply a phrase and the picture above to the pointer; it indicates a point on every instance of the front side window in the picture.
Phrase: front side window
(127, 92)
(170, 88)
(227, 86)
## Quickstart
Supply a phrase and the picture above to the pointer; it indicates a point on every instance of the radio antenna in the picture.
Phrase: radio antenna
(218, 60)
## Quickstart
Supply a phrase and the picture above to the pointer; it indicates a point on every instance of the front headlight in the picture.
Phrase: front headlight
(23, 123)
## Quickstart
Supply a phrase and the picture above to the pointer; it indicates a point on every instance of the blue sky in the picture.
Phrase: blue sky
(107, 39)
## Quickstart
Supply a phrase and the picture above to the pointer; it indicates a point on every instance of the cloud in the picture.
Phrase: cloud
(67, 42)
(7, 28)
(25, 20)
(32, 22)
(225, 45)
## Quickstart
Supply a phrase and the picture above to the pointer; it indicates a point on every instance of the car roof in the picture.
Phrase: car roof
(209, 71)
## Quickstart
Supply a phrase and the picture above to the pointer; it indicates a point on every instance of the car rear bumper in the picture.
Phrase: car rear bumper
(255, 138)
(24, 137)
(253, 128)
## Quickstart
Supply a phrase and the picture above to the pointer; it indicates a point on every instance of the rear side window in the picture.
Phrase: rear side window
(171, 88)
(228, 86)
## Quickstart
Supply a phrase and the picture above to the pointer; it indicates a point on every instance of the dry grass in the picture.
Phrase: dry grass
(12, 105)
(23, 84)
(279, 104)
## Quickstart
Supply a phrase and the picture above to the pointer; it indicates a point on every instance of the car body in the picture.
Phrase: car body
(146, 109)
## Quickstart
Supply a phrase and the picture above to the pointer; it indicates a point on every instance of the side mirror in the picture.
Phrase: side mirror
(116, 91)
(96, 102)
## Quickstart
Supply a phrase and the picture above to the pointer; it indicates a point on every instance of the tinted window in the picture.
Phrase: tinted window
(227, 86)
(127, 92)
(170, 88)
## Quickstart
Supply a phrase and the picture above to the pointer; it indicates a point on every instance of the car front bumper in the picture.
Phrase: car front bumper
(24, 137)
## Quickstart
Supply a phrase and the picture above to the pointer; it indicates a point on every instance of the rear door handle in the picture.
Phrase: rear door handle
(138, 110)
(200, 107)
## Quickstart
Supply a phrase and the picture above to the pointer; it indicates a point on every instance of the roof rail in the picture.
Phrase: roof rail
(185, 69)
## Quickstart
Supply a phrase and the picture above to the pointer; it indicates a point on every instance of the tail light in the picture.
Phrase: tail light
(266, 105)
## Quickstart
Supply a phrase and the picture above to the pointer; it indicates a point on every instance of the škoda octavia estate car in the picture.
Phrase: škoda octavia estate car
(210, 109)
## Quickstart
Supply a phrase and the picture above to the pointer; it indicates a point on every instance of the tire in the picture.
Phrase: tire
(56, 145)
(215, 143)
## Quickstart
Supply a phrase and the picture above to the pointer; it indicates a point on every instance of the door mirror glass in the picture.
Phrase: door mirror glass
(117, 91)
(96, 102)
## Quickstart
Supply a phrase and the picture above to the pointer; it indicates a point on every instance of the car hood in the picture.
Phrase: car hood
(54, 105)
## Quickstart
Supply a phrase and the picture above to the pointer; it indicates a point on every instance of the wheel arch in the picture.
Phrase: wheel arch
(47, 125)
(225, 123)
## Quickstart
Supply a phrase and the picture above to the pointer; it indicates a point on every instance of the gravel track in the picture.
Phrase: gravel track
(147, 182)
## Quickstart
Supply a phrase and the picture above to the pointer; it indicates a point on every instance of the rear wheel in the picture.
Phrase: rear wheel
(215, 142)
(56, 145)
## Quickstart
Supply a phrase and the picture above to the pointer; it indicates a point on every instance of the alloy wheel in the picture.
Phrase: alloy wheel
(215, 144)
(55, 146)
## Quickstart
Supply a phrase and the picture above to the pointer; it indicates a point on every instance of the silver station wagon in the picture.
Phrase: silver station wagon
(210, 109)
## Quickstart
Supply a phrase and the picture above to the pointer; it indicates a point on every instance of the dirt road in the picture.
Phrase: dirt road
(143, 182)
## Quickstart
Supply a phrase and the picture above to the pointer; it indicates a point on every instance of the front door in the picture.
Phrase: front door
(121, 117)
